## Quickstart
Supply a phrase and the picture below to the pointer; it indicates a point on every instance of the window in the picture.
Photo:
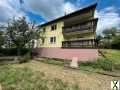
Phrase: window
(53, 27)
(44, 30)
(52, 40)
(43, 41)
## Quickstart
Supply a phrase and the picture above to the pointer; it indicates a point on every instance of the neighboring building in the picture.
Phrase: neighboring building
(70, 36)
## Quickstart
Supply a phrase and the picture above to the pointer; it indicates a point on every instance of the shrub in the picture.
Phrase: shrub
(87, 63)
(12, 51)
(25, 58)
(117, 66)
(102, 63)
(105, 64)
(116, 42)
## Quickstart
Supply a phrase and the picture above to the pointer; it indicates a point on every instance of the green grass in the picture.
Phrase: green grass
(101, 64)
(36, 75)
(112, 54)
(59, 62)
(110, 61)
(23, 78)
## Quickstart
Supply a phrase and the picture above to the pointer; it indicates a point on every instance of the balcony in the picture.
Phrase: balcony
(87, 43)
(82, 27)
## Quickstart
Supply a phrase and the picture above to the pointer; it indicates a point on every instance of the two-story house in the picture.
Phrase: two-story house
(70, 36)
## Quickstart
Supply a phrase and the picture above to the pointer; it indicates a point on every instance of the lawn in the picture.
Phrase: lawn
(112, 54)
(31, 76)
(51, 74)
(35, 75)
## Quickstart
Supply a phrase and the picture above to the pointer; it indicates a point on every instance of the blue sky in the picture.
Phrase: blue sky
(41, 11)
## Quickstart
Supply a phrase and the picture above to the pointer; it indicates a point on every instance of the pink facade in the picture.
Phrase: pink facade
(81, 54)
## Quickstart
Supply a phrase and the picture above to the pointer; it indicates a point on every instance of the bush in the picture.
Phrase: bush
(116, 42)
(88, 63)
(105, 64)
(117, 66)
(25, 58)
(12, 51)
(100, 63)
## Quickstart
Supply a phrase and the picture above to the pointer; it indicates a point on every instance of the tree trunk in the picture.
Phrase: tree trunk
(18, 53)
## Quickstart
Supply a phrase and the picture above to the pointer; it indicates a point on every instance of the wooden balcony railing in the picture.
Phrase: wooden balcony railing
(88, 43)
(85, 26)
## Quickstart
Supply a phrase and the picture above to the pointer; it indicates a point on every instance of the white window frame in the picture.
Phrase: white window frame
(53, 41)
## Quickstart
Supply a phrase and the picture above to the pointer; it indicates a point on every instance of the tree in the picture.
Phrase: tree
(108, 36)
(1, 39)
(116, 42)
(98, 39)
(20, 33)
(108, 33)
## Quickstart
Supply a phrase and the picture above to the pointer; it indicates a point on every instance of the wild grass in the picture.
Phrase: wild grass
(18, 78)
(101, 63)
(24, 78)
(113, 56)
(59, 62)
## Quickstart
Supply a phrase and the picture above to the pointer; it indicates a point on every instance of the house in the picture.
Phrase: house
(70, 36)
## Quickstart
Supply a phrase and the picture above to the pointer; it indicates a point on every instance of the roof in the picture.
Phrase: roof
(71, 14)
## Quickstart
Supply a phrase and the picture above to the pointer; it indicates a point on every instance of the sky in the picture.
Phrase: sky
(41, 11)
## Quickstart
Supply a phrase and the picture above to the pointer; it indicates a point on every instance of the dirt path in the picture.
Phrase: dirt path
(86, 80)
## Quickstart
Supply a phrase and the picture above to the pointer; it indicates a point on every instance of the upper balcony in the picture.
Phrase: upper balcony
(88, 26)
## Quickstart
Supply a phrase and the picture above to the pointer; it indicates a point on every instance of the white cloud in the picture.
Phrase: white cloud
(49, 9)
(108, 17)
(46, 8)
(9, 10)
(69, 7)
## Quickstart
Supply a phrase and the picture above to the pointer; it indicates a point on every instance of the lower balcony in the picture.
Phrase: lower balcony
(87, 43)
